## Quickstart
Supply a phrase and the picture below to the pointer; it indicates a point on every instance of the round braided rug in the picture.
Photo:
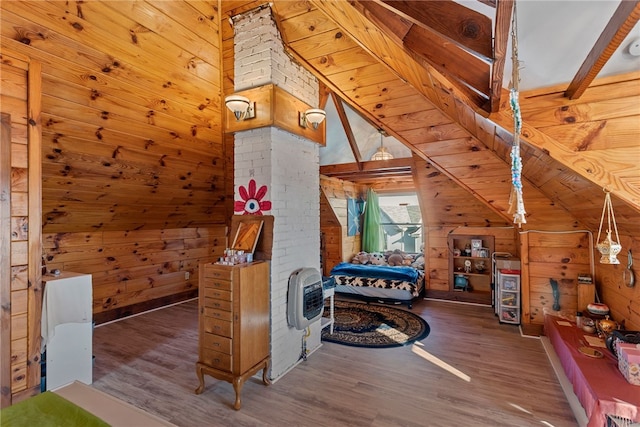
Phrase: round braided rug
(375, 326)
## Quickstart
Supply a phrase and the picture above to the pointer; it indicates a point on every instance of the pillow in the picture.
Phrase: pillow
(376, 258)
(361, 258)
(395, 259)
(418, 263)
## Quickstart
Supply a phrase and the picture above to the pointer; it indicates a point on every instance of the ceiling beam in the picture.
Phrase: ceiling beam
(504, 13)
(452, 62)
(324, 93)
(347, 129)
(621, 23)
(387, 169)
(464, 26)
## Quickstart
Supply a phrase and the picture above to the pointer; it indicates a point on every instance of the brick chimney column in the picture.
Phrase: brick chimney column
(288, 166)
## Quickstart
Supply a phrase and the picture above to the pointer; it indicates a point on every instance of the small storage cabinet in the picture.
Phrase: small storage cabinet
(233, 322)
(508, 286)
(470, 269)
(67, 329)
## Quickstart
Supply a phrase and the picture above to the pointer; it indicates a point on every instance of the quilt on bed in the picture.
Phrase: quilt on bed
(379, 276)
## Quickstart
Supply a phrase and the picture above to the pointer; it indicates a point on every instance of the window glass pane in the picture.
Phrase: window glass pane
(401, 222)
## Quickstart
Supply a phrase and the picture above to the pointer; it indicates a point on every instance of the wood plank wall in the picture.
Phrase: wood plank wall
(134, 185)
(623, 301)
(132, 138)
(130, 269)
(331, 232)
(447, 207)
(131, 94)
(5, 261)
(333, 221)
(560, 256)
(21, 274)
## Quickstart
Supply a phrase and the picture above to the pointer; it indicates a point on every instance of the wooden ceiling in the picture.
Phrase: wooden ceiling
(371, 56)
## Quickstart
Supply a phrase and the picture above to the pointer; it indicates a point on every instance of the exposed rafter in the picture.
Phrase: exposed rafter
(621, 23)
(464, 26)
(370, 170)
(347, 129)
(449, 38)
(504, 12)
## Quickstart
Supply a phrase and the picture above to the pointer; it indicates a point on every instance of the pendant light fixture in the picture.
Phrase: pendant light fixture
(608, 248)
(381, 153)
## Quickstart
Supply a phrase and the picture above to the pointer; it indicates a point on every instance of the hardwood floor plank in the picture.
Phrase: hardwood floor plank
(469, 371)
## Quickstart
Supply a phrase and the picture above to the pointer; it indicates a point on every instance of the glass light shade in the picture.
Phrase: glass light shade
(239, 105)
(315, 116)
(382, 154)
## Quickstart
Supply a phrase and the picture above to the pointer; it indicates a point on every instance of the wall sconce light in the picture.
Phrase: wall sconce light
(241, 107)
(382, 153)
(313, 117)
(608, 247)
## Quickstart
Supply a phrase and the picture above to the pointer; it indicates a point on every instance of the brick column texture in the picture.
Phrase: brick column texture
(289, 166)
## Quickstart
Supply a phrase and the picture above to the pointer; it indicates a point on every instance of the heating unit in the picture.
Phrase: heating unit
(305, 300)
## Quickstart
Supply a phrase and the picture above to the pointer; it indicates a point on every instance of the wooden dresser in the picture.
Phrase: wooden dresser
(233, 323)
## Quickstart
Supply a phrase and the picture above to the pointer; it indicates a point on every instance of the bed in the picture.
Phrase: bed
(380, 283)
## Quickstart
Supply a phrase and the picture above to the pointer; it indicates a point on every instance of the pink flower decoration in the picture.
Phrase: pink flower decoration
(252, 203)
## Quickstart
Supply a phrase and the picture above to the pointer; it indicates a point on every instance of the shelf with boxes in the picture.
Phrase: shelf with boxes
(470, 265)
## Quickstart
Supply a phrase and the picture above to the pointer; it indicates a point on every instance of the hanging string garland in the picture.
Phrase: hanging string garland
(516, 201)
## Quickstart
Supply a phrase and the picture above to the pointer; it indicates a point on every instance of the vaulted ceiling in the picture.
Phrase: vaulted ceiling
(431, 75)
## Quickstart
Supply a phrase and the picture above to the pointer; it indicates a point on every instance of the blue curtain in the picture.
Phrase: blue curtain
(372, 235)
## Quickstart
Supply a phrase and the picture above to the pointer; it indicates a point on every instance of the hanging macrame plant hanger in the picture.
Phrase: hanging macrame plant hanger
(516, 201)
(608, 248)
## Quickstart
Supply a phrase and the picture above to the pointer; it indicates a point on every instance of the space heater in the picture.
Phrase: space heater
(305, 301)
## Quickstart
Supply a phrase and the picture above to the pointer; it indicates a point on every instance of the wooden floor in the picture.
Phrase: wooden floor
(470, 371)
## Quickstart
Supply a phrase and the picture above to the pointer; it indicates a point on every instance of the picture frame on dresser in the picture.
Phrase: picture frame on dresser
(264, 242)
(247, 235)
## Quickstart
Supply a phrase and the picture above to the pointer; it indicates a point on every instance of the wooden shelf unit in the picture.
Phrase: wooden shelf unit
(479, 281)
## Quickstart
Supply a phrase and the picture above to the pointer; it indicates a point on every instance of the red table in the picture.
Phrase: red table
(598, 384)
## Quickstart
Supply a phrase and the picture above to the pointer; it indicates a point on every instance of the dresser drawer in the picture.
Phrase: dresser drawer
(216, 359)
(217, 304)
(217, 343)
(217, 294)
(214, 313)
(217, 284)
(217, 326)
(224, 273)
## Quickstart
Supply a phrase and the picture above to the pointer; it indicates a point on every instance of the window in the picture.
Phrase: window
(401, 222)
